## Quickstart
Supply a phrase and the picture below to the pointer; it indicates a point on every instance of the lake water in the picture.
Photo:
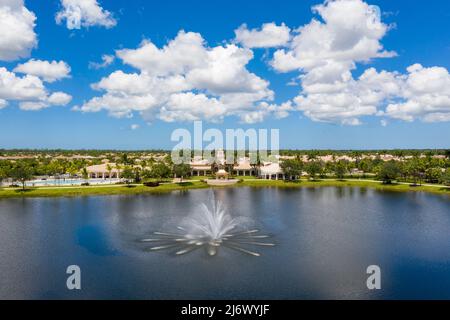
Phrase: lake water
(325, 239)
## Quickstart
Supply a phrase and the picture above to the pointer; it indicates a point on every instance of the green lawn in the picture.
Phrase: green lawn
(196, 184)
(97, 190)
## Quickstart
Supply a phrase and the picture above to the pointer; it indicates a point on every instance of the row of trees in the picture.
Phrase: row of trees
(416, 170)
(360, 153)
(294, 168)
(158, 171)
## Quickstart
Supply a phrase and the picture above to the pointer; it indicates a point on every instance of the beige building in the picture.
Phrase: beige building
(244, 168)
(270, 170)
(200, 167)
(101, 171)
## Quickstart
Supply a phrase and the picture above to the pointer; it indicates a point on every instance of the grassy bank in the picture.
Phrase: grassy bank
(348, 183)
(97, 190)
(196, 184)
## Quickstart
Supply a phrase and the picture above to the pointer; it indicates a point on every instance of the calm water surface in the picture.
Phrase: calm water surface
(325, 239)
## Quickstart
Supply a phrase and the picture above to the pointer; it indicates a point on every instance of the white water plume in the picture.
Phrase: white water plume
(210, 227)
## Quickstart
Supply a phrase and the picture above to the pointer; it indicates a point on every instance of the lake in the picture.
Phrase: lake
(325, 238)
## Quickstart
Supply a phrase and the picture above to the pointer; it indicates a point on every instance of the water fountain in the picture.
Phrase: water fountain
(211, 227)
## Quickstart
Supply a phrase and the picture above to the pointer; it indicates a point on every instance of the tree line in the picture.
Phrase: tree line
(416, 170)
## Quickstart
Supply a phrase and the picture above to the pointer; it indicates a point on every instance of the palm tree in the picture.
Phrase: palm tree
(128, 175)
(85, 175)
(72, 170)
(109, 169)
(119, 168)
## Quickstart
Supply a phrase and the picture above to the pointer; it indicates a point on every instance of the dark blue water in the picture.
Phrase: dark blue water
(326, 238)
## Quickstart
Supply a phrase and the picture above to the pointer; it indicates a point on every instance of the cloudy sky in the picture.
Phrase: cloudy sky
(124, 74)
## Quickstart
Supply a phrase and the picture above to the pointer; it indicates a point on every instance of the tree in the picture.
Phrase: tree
(109, 169)
(85, 174)
(137, 174)
(160, 170)
(2, 175)
(292, 168)
(182, 170)
(365, 165)
(415, 168)
(128, 174)
(433, 175)
(124, 159)
(445, 178)
(447, 153)
(312, 155)
(119, 168)
(388, 172)
(313, 168)
(340, 169)
(146, 174)
(72, 170)
(22, 173)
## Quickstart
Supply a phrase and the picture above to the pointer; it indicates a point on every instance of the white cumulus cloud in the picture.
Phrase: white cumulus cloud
(29, 91)
(84, 13)
(107, 60)
(187, 80)
(425, 96)
(17, 36)
(326, 51)
(48, 71)
(350, 32)
(269, 35)
(184, 80)
(182, 54)
(59, 99)
(13, 87)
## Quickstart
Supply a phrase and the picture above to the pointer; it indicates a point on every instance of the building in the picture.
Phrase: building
(200, 167)
(270, 170)
(244, 168)
(101, 171)
(204, 167)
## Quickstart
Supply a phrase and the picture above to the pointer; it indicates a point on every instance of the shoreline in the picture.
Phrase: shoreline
(103, 190)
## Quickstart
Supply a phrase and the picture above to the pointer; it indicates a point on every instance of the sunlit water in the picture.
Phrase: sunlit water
(324, 240)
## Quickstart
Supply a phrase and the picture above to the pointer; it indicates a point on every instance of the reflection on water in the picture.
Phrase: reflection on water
(93, 239)
(326, 237)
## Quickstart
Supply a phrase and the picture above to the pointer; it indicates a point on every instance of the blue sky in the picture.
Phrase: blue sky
(416, 31)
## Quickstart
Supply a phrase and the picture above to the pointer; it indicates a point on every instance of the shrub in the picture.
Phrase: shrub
(151, 184)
